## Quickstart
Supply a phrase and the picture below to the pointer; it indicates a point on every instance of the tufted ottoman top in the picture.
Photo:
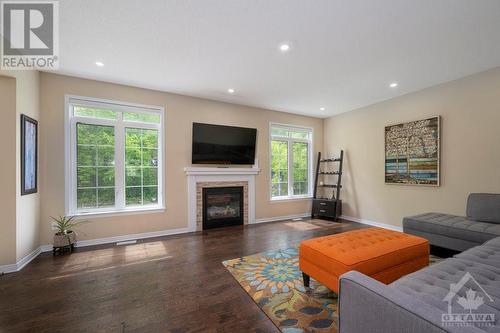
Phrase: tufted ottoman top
(368, 251)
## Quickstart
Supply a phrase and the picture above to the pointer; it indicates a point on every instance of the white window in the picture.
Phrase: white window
(114, 157)
(291, 171)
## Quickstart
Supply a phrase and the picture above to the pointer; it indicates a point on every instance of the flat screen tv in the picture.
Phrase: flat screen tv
(216, 144)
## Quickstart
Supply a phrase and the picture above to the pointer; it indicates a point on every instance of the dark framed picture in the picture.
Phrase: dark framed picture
(29, 155)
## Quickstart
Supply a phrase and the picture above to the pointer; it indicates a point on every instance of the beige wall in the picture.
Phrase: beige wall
(470, 151)
(8, 171)
(26, 208)
(181, 111)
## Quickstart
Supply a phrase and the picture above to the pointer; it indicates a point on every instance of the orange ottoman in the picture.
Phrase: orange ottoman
(383, 254)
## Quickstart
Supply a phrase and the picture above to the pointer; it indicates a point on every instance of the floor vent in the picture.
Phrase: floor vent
(127, 242)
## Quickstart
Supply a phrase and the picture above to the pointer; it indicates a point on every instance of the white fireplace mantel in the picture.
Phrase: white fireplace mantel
(193, 171)
(219, 174)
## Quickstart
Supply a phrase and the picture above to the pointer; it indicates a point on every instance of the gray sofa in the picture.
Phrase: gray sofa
(416, 303)
(459, 233)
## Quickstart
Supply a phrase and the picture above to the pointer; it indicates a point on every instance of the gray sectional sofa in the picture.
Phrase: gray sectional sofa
(459, 233)
(416, 303)
(425, 301)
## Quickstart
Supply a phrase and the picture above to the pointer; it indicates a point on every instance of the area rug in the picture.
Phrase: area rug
(274, 282)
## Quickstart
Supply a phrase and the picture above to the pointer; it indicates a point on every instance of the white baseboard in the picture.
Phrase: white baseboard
(8, 268)
(372, 223)
(27, 259)
(280, 218)
(124, 238)
(46, 248)
(21, 263)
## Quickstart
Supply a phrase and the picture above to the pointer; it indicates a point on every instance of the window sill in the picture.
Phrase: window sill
(293, 198)
(112, 213)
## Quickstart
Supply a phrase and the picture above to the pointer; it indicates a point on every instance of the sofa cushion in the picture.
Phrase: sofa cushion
(453, 226)
(495, 242)
(482, 254)
(432, 284)
(484, 207)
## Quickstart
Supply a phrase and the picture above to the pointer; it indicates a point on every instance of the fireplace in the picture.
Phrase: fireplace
(222, 206)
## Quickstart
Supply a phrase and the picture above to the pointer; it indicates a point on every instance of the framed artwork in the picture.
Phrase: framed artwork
(29, 155)
(412, 152)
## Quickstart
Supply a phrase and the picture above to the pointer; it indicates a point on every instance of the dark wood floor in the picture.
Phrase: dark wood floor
(168, 284)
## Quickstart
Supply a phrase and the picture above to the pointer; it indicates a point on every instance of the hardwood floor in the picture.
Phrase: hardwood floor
(167, 284)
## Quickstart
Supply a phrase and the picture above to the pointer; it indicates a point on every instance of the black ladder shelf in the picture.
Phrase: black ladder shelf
(328, 204)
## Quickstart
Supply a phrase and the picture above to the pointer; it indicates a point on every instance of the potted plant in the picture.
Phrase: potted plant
(65, 236)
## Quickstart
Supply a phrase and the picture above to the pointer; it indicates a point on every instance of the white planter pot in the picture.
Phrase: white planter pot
(64, 239)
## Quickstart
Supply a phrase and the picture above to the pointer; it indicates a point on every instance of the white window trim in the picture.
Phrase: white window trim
(70, 154)
(290, 174)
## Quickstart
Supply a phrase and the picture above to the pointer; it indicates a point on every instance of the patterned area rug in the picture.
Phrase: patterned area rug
(274, 282)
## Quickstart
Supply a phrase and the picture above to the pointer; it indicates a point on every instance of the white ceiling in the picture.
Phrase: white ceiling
(344, 53)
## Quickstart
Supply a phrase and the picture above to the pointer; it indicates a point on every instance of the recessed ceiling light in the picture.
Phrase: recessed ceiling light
(284, 47)
(230, 90)
(322, 109)
(99, 63)
(393, 85)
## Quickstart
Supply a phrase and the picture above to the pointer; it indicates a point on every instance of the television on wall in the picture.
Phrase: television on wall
(217, 144)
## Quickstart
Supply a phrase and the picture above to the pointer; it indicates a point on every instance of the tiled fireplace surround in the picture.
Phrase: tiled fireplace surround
(201, 177)
(199, 199)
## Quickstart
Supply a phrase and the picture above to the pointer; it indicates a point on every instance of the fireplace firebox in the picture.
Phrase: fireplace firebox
(222, 206)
